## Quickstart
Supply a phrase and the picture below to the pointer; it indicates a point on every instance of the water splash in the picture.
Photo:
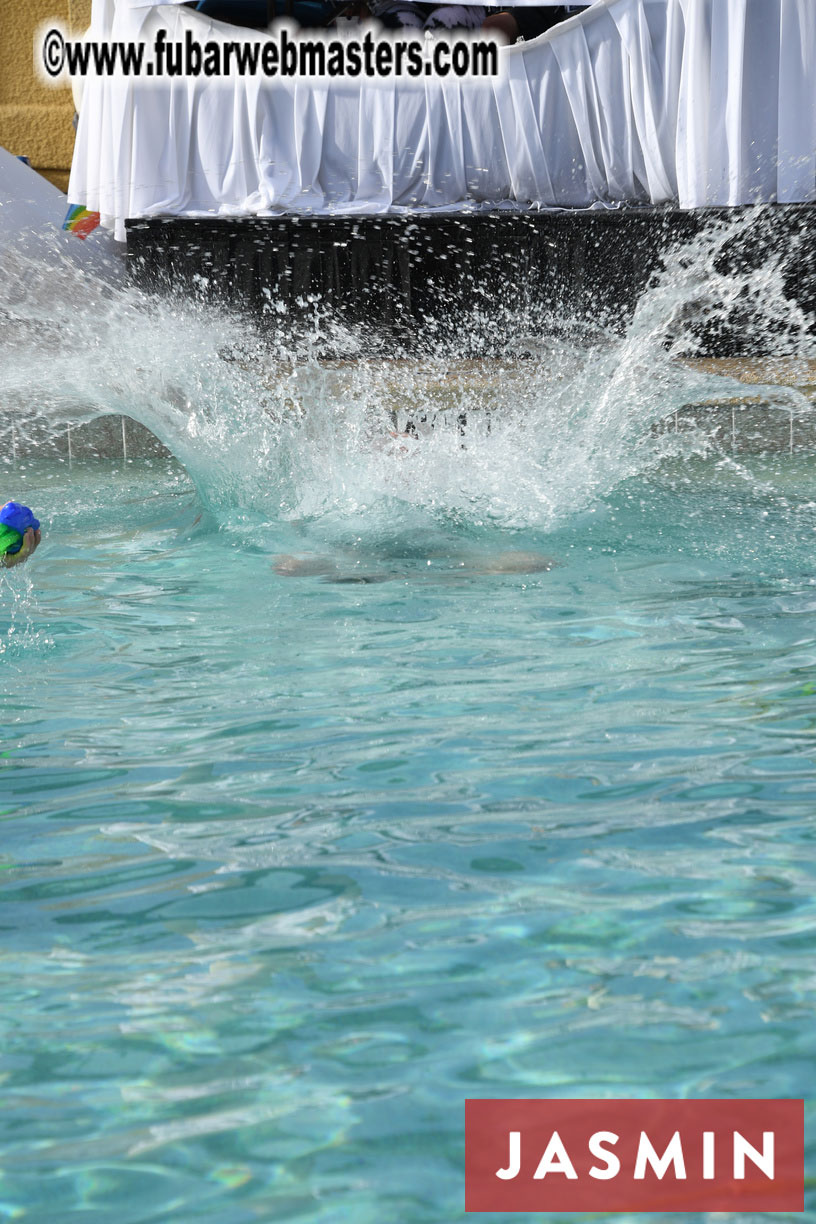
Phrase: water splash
(20, 633)
(562, 411)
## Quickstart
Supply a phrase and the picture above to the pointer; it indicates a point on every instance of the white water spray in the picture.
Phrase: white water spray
(566, 413)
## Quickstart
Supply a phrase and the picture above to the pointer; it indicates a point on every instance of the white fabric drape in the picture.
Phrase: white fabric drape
(691, 102)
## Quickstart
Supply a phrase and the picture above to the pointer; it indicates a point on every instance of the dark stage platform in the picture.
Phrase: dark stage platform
(395, 273)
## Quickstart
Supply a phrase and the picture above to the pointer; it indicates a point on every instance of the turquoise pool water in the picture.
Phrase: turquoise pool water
(292, 865)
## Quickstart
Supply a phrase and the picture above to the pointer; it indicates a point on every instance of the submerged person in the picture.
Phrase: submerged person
(327, 569)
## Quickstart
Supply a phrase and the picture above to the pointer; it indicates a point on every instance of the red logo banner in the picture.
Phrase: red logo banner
(634, 1155)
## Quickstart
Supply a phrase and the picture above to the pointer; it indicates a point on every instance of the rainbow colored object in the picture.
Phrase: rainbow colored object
(80, 220)
(15, 520)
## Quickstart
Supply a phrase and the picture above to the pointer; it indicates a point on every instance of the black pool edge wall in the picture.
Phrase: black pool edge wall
(396, 273)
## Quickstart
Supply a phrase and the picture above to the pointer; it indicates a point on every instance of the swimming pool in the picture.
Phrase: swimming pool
(295, 864)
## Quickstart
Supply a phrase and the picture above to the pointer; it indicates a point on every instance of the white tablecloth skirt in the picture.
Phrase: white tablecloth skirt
(691, 102)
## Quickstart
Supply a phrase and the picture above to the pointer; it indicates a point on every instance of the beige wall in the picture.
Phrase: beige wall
(35, 121)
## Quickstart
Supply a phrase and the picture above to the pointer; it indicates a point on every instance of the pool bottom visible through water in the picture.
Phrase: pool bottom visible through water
(346, 776)
(294, 866)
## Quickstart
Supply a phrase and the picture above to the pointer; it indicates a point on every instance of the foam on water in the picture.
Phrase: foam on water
(560, 413)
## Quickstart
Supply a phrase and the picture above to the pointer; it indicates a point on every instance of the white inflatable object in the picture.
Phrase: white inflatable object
(32, 211)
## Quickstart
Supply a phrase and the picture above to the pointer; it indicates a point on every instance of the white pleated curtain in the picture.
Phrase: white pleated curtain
(686, 102)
